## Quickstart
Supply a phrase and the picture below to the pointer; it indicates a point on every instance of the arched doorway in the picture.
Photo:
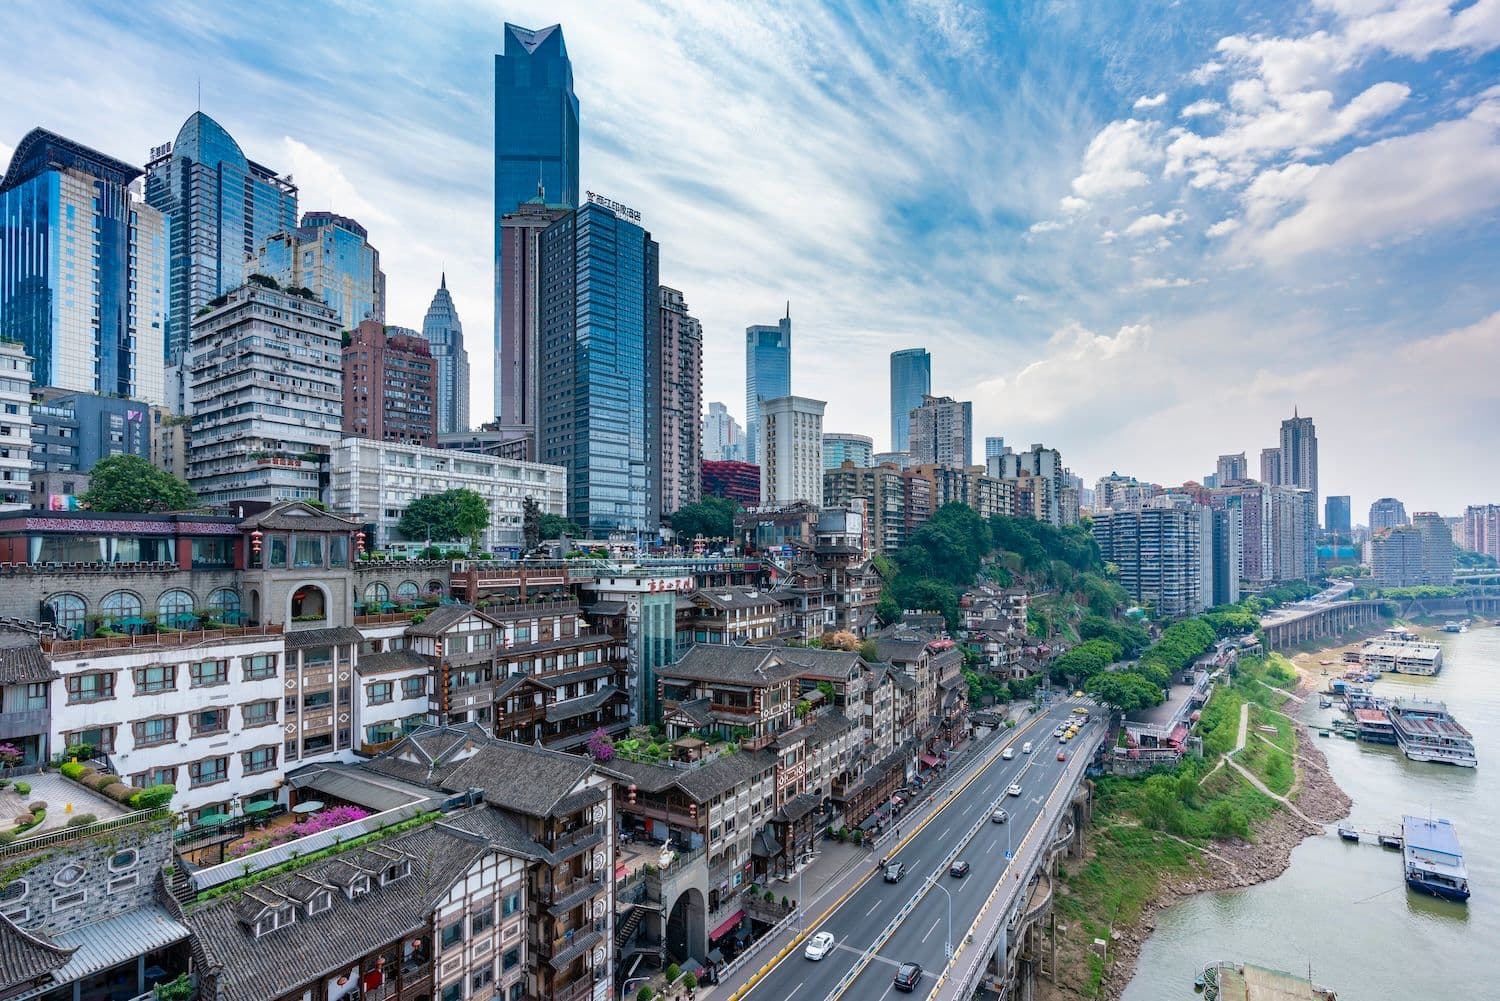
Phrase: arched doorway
(309, 604)
(687, 931)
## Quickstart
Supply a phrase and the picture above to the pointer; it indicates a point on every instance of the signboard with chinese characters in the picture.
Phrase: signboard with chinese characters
(616, 207)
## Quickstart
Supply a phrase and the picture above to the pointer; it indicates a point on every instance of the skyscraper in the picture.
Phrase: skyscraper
(993, 446)
(768, 373)
(723, 438)
(1162, 554)
(519, 321)
(1387, 512)
(1231, 468)
(941, 431)
(330, 255)
(83, 270)
(1437, 547)
(1481, 529)
(1299, 457)
(839, 447)
(1336, 515)
(221, 208)
(791, 448)
(680, 472)
(599, 417)
(1270, 467)
(444, 333)
(911, 379)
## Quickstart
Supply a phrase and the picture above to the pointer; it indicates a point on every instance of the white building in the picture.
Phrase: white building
(379, 479)
(1038, 461)
(790, 449)
(15, 427)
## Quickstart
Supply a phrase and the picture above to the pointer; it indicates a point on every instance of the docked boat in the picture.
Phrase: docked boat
(1425, 731)
(1434, 862)
(1391, 841)
(1460, 626)
(1348, 833)
(1373, 726)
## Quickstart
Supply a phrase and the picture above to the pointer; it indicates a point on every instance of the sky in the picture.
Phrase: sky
(1142, 233)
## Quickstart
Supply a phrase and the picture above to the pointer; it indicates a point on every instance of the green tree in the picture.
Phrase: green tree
(446, 517)
(555, 526)
(712, 517)
(128, 483)
(1123, 690)
(531, 523)
(1084, 661)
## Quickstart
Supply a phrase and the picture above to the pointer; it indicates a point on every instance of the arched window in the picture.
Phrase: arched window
(434, 587)
(407, 591)
(309, 604)
(226, 600)
(173, 606)
(66, 611)
(119, 605)
(376, 593)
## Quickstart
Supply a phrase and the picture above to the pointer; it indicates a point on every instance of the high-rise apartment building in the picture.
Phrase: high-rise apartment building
(1270, 467)
(1040, 462)
(1228, 554)
(1292, 532)
(1336, 515)
(768, 373)
(444, 333)
(1437, 547)
(1159, 550)
(1387, 512)
(993, 446)
(1413, 555)
(330, 255)
(941, 431)
(886, 491)
(15, 427)
(519, 321)
(791, 451)
(1299, 457)
(267, 384)
(1481, 529)
(221, 207)
(911, 380)
(389, 386)
(1231, 469)
(83, 270)
(840, 447)
(681, 399)
(723, 438)
(599, 417)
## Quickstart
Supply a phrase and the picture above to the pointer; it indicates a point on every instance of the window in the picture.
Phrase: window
(510, 904)
(154, 777)
(209, 721)
(173, 607)
(511, 959)
(122, 883)
(308, 551)
(155, 678)
(377, 593)
(379, 693)
(338, 550)
(309, 604)
(258, 713)
(122, 860)
(319, 744)
(226, 603)
(209, 672)
(36, 696)
(407, 591)
(258, 759)
(317, 700)
(12, 892)
(380, 733)
(66, 900)
(213, 553)
(119, 605)
(482, 641)
(320, 902)
(413, 687)
(149, 732)
(482, 922)
(259, 666)
(454, 991)
(208, 771)
(276, 552)
(69, 874)
(91, 687)
(66, 611)
(453, 934)
(482, 979)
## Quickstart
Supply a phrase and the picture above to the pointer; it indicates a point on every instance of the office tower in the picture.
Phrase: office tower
(839, 448)
(260, 433)
(791, 450)
(993, 446)
(72, 431)
(329, 255)
(941, 431)
(83, 270)
(519, 321)
(1211, 481)
(221, 208)
(680, 474)
(1042, 464)
(1228, 555)
(444, 333)
(1481, 529)
(1437, 547)
(15, 426)
(1385, 513)
(1336, 515)
(389, 386)
(911, 380)
(1159, 552)
(1299, 457)
(1231, 469)
(768, 373)
(723, 438)
(1270, 467)
(599, 334)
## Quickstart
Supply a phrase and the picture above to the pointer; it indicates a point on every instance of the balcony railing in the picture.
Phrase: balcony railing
(564, 897)
(24, 723)
(568, 845)
(105, 644)
(565, 948)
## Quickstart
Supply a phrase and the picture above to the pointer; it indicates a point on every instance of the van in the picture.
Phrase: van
(1026, 747)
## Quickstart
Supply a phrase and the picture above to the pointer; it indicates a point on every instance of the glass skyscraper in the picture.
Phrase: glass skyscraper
(768, 374)
(911, 379)
(445, 333)
(331, 255)
(83, 270)
(600, 414)
(221, 208)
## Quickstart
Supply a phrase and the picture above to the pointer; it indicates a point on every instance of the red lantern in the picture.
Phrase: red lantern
(630, 794)
(255, 539)
(359, 541)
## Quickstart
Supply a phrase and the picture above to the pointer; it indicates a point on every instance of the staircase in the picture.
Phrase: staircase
(180, 887)
(627, 928)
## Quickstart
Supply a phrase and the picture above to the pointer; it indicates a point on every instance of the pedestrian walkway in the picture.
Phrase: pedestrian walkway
(1239, 745)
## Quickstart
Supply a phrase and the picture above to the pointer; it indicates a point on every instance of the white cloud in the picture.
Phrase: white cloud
(1072, 204)
(1200, 108)
(1045, 226)
(1021, 298)
(1156, 222)
(958, 24)
(321, 184)
(1144, 103)
(1223, 227)
(1079, 374)
(1159, 283)
(1115, 157)
(1206, 72)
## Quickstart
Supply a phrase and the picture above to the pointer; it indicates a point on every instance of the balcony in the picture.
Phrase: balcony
(565, 948)
(579, 990)
(565, 896)
(25, 723)
(576, 842)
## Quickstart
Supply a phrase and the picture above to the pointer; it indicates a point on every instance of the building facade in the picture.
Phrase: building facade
(267, 385)
(600, 333)
(444, 333)
(83, 270)
(1045, 466)
(389, 386)
(679, 474)
(1159, 550)
(15, 427)
(791, 449)
(768, 374)
(737, 481)
(518, 327)
(911, 380)
(221, 207)
(723, 438)
(329, 254)
(1299, 456)
(1481, 529)
(1437, 547)
(1336, 513)
(1231, 469)
(942, 431)
(1387, 512)
(72, 431)
(839, 448)
(1270, 467)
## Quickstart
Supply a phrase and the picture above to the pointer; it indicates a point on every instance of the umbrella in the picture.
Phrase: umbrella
(260, 806)
(311, 806)
(213, 819)
(388, 606)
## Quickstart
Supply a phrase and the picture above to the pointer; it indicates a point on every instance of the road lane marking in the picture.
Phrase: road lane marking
(932, 929)
(873, 906)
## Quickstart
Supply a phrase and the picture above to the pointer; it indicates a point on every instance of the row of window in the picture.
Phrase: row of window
(380, 692)
(68, 610)
(94, 686)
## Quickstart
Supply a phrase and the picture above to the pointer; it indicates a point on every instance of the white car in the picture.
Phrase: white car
(1026, 747)
(1058, 732)
(1008, 753)
(1015, 789)
(819, 945)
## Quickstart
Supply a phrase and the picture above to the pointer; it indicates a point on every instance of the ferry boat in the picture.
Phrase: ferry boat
(1460, 626)
(1434, 863)
(1426, 732)
(1373, 726)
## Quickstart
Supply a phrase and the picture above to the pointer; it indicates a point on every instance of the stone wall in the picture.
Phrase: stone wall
(80, 882)
(22, 594)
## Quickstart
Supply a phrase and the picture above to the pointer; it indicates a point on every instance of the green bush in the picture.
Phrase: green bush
(152, 797)
(673, 971)
(71, 770)
(102, 779)
(79, 751)
(22, 821)
(644, 994)
(83, 820)
(38, 806)
(769, 897)
(6, 837)
(690, 981)
(23, 788)
(122, 794)
(87, 775)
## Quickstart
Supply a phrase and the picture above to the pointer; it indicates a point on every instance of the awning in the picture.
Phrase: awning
(929, 760)
(726, 927)
(106, 944)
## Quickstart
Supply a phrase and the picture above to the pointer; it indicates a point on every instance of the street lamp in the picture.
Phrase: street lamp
(948, 940)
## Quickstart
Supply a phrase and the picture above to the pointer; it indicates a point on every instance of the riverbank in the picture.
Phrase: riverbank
(1205, 827)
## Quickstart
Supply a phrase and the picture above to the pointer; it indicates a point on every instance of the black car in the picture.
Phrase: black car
(894, 871)
(908, 975)
(959, 869)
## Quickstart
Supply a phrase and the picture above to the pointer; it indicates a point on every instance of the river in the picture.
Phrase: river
(1342, 909)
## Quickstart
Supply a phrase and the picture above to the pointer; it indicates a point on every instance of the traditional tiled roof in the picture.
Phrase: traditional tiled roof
(696, 711)
(797, 807)
(391, 660)
(573, 708)
(295, 516)
(444, 616)
(744, 665)
(725, 773)
(573, 677)
(21, 660)
(822, 663)
(300, 639)
(730, 598)
(27, 959)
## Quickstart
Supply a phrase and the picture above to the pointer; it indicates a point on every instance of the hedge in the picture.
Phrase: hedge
(152, 797)
(83, 820)
(71, 770)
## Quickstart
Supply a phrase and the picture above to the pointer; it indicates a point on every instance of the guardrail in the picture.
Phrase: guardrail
(47, 838)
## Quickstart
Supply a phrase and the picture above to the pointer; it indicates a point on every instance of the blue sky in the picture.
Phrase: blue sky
(1139, 232)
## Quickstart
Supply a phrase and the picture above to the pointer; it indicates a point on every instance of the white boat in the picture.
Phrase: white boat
(1426, 732)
